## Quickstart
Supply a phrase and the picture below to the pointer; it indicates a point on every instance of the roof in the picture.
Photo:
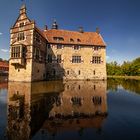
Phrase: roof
(74, 37)
(4, 64)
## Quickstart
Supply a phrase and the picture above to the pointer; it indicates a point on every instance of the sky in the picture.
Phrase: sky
(118, 20)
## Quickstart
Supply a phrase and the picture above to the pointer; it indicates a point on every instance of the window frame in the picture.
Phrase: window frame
(76, 59)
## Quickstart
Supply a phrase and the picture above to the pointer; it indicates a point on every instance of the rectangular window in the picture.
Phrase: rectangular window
(21, 24)
(76, 101)
(79, 72)
(37, 53)
(15, 52)
(20, 36)
(37, 38)
(49, 58)
(76, 59)
(76, 47)
(48, 46)
(59, 46)
(95, 48)
(96, 59)
(58, 58)
(68, 72)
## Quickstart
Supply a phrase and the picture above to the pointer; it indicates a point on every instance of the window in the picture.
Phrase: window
(68, 72)
(59, 58)
(76, 59)
(97, 100)
(23, 52)
(95, 48)
(48, 46)
(79, 72)
(76, 101)
(49, 58)
(20, 36)
(59, 46)
(67, 86)
(76, 47)
(58, 38)
(37, 37)
(78, 40)
(15, 52)
(94, 72)
(96, 59)
(79, 87)
(94, 87)
(37, 53)
(71, 40)
(21, 24)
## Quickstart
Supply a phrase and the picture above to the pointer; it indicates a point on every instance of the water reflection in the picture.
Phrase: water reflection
(55, 107)
(127, 84)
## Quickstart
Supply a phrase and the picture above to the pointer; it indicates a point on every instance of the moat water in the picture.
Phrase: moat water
(72, 110)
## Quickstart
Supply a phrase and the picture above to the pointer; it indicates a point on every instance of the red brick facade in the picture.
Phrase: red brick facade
(4, 66)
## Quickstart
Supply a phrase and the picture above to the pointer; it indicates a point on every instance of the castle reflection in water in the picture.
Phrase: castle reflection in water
(55, 107)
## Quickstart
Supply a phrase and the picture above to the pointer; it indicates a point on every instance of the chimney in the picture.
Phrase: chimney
(45, 27)
(54, 25)
(97, 30)
(81, 30)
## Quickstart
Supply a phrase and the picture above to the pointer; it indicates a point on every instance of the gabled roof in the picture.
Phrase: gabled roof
(74, 37)
(4, 64)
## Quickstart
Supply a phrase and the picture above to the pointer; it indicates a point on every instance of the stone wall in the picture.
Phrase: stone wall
(87, 69)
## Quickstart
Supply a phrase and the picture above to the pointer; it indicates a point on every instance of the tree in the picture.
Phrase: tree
(127, 68)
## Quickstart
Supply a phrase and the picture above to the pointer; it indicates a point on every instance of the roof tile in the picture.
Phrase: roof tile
(86, 38)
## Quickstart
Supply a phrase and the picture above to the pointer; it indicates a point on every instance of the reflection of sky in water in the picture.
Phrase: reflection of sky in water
(3, 112)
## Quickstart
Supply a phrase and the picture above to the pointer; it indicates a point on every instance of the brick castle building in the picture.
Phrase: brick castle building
(4, 67)
(52, 54)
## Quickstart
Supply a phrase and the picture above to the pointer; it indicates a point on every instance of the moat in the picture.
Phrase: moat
(70, 110)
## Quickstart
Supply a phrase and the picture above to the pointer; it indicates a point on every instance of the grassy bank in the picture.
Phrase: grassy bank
(125, 77)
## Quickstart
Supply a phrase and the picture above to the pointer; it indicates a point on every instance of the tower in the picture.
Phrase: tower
(27, 50)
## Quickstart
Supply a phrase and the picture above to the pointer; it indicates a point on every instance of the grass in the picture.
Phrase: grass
(126, 77)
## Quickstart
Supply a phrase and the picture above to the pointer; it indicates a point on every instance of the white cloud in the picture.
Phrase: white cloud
(107, 57)
(1, 33)
(4, 50)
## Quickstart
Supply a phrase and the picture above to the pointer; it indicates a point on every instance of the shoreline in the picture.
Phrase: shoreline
(124, 77)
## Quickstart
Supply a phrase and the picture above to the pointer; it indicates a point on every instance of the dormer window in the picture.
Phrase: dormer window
(21, 24)
(20, 36)
(71, 40)
(58, 38)
(78, 40)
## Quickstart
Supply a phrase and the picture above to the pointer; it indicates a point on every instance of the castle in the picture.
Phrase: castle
(53, 54)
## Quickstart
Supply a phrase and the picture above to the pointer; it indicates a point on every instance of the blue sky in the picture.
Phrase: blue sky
(118, 20)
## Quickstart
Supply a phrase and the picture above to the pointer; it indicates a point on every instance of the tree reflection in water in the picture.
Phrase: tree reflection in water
(128, 84)
(55, 107)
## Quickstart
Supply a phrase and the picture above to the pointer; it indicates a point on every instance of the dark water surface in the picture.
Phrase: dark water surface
(73, 110)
